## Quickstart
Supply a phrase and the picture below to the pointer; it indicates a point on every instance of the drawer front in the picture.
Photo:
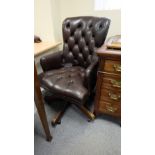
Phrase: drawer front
(108, 94)
(112, 66)
(111, 82)
(111, 96)
(112, 109)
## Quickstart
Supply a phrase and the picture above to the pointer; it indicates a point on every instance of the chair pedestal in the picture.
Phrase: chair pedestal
(57, 119)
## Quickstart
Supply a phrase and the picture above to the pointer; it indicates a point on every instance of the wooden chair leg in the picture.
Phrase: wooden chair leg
(40, 105)
(89, 114)
(57, 119)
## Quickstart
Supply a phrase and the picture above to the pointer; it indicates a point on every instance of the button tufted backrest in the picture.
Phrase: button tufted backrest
(81, 35)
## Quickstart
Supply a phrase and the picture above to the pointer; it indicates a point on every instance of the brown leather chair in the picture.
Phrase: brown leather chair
(71, 74)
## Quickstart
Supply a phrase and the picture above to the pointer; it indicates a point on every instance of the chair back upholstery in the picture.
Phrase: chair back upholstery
(81, 35)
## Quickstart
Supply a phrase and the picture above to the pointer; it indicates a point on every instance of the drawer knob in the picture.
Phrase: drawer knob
(116, 83)
(111, 109)
(117, 67)
(114, 96)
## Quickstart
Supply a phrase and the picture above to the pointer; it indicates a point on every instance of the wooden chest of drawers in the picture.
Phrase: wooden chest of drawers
(108, 89)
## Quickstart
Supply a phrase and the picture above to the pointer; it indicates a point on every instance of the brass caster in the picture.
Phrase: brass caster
(55, 123)
(92, 116)
(49, 138)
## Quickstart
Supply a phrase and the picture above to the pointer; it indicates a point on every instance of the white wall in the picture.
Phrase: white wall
(49, 15)
(43, 20)
(70, 8)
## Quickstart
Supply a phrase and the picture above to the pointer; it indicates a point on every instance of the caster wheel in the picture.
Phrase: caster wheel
(59, 122)
(55, 123)
(49, 138)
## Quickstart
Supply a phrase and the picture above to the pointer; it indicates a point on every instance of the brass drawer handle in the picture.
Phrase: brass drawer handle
(116, 83)
(114, 96)
(117, 67)
(111, 109)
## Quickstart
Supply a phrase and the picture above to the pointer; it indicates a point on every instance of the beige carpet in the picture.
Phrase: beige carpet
(76, 136)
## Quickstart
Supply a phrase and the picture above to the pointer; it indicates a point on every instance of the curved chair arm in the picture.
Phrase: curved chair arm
(91, 73)
(51, 61)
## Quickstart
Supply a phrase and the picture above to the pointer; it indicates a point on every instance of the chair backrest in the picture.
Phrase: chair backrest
(81, 35)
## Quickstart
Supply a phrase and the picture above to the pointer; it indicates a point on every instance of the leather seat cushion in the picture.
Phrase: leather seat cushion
(66, 82)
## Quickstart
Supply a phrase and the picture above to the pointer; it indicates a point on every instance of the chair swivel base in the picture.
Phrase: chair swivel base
(57, 119)
(89, 114)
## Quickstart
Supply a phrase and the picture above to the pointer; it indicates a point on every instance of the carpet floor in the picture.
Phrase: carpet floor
(77, 136)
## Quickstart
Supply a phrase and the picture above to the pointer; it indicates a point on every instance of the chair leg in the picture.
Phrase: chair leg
(90, 115)
(57, 119)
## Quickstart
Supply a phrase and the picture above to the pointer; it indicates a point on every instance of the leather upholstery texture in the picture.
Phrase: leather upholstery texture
(72, 71)
(81, 36)
(67, 81)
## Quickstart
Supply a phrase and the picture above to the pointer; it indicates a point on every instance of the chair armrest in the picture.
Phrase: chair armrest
(51, 61)
(91, 73)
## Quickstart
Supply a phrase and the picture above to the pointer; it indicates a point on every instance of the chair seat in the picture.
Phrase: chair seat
(66, 82)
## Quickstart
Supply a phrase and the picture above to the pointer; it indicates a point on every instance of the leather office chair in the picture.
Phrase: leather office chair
(71, 74)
